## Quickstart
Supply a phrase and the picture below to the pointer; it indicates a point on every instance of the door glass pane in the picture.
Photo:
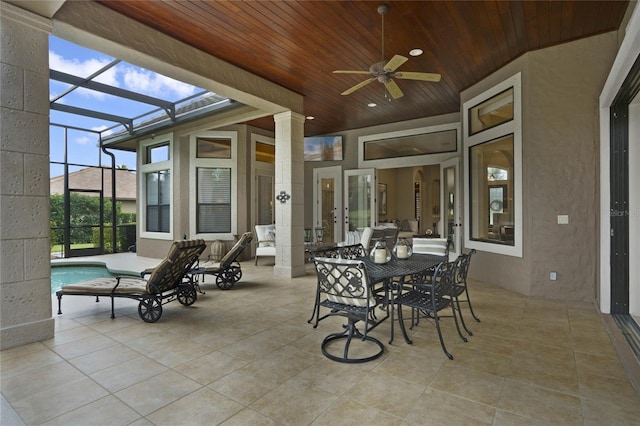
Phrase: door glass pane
(449, 186)
(265, 200)
(328, 208)
(360, 189)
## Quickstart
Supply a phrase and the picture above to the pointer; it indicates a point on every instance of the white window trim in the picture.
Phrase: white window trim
(417, 160)
(142, 184)
(511, 127)
(231, 163)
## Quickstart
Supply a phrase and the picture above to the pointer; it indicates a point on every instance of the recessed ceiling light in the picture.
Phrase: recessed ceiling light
(416, 52)
(372, 104)
(310, 117)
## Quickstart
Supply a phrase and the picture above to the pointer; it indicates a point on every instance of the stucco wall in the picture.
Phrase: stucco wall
(560, 90)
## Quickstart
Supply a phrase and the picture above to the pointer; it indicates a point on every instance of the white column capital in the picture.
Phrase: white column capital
(288, 116)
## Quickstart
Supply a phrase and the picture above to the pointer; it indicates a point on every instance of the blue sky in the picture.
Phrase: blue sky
(77, 60)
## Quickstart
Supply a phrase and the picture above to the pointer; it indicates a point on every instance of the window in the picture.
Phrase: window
(490, 192)
(412, 147)
(214, 201)
(213, 148)
(265, 152)
(492, 112)
(493, 167)
(213, 184)
(156, 187)
(157, 153)
(158, 203)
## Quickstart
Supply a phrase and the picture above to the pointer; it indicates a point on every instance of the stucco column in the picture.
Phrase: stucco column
(289, 182)
(25, 272)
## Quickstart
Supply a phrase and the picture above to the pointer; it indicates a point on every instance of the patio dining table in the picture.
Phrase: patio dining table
(387, 273)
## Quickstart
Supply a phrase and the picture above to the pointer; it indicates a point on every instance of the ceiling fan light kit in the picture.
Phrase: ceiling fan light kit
(385, 71)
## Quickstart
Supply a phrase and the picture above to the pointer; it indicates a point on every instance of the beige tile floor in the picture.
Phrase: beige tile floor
(248, 356)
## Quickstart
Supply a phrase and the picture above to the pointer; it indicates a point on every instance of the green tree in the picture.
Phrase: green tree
(85, 213)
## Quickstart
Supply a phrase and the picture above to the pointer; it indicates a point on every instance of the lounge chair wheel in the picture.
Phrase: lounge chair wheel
(225, 279)
(150, 309)
(237, 274)
(187, 295)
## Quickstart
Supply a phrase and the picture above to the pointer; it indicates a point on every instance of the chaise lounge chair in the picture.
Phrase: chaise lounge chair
(227, 271)
(169, 281)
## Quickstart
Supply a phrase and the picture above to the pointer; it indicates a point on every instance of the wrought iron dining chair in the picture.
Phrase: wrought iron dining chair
(428, 299)
(352, 251)
(391, 237)
(344, 289)
(460, 284)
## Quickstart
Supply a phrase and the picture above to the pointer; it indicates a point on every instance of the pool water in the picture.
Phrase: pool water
(71, 274)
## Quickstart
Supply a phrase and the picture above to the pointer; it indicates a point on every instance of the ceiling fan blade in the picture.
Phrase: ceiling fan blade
(350, 72)
(393, 89)
(358, 86)
(423, 76)
(395, 62)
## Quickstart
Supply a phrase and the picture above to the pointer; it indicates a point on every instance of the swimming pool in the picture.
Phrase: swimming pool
(70, 274)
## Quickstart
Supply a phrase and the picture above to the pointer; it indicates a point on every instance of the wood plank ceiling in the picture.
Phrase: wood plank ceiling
(297, 44)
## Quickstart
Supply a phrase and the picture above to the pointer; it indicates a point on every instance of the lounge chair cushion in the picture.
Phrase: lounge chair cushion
(210, 266)
(164, 277)
(104, 286)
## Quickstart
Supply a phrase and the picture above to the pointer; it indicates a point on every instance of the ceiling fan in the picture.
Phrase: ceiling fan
(385, 72)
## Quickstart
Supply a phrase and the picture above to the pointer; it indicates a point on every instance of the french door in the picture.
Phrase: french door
(450, 202)
(359, 210)
(327, 193)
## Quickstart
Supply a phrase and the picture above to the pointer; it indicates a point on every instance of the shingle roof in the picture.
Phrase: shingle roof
(90, 178)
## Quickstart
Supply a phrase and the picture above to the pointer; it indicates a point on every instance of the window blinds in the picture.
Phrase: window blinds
(214, 200)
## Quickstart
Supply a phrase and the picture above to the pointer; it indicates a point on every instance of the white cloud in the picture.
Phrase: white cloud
(125, 76)
(82, 140)
(102, 130)
(153, 84)
(84, 69)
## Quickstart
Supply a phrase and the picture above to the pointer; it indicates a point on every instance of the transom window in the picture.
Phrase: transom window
(213, 148)
(157, 153)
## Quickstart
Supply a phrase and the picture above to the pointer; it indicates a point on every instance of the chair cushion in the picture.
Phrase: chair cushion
(434, 246)
(164, 277)
(235, 251)
(348, 288)
(266, 235)
(104, 286)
